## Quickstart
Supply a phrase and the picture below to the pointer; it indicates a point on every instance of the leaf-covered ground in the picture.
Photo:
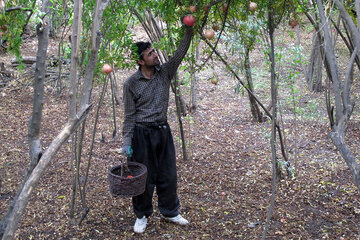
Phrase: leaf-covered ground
(224, 187)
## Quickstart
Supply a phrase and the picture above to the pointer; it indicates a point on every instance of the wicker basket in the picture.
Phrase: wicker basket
(127, 181)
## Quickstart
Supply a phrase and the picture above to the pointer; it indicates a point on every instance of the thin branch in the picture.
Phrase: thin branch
(217, 40)
(28, 17)
(248, 90)
(207, 13)
(31, 183)
(348, 44)
(148, 31)
(18, 8)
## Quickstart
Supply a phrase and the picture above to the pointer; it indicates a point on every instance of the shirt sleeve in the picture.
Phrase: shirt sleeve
(172, 65)
(129, 114)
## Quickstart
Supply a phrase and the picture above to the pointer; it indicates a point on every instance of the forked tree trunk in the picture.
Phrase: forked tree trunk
(85, 99)
(31, 183)
(24, 193)
(343, 104)
(42, 31)
(325, 61)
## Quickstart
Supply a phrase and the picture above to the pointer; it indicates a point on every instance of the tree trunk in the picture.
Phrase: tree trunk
(347, 155)
(40, 71)
(42, 31)
(255, 110)
(343, 104)
(178, 111)
(348, 42)
(322, 48)
(194, 79)
(73, 91)
(75, 41)
(85, 99)
(113, 100)
(273, 95)
(314, 72)
(351, 25)
(61, 49)
(275, 167)
(34, 177)
(95, 43)
(116, 89)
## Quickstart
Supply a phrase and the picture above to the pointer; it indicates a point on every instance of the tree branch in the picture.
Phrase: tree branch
(248, 90)
(34, 178)
(18, 8)
(348, 79)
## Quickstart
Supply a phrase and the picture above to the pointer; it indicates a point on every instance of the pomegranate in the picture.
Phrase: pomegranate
(209, 34)
(252, 6)
(206, 8)
(189, 20)
(192, 9)
(215, 27)
(293, 23)
(107, 68)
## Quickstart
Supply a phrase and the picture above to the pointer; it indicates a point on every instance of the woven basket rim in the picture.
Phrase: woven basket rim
(122, 186)
(142, 166)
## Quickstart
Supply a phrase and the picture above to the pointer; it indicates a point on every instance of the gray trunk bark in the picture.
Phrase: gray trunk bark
(42, 31)
(75, 41)
(314, 72)
(116, 89)
(194, 79)
(255, 110)
(275, 168)
(355, 33)
(95, 43)
(330, 56)
(85, 99)
(34, 177)
(348, 156)
(343, 104)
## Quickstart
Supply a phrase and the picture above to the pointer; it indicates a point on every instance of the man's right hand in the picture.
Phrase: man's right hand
(127, 151)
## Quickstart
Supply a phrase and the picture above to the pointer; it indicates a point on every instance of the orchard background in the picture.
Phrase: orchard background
(264, 112)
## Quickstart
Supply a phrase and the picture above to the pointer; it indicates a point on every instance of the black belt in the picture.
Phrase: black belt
(152, 124)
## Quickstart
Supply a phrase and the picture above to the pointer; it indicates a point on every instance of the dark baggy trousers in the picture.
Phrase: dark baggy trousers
(154, 147)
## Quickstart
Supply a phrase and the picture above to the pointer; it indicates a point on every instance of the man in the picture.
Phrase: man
(146, 133)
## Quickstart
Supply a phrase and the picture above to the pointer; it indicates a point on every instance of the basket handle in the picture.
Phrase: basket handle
(124, 163)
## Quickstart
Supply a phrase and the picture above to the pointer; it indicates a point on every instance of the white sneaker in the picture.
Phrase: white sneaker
(178, 220)
(140, 224)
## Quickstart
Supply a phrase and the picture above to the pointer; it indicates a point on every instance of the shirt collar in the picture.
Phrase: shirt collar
(140, 75)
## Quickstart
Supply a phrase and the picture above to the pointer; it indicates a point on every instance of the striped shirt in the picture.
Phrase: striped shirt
(147, 100)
